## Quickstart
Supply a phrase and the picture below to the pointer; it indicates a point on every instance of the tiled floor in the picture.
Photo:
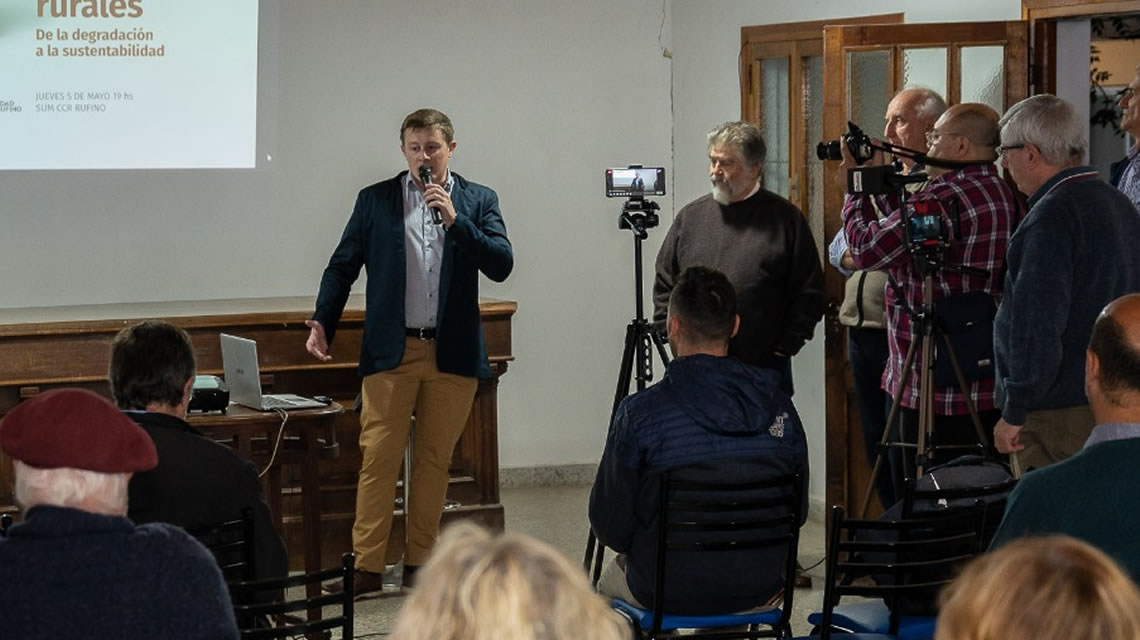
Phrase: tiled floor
(544, 513)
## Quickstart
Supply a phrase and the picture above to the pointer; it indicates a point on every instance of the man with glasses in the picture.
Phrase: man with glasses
(909, 118)
(979, 213)
(1073, 254)
(1125, 174)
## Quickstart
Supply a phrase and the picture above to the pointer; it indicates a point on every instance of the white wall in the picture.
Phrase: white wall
(706, 43)
(543, 99)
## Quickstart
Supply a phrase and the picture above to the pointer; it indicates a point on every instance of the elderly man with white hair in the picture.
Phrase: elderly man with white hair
(1074, 252)
(77, 567)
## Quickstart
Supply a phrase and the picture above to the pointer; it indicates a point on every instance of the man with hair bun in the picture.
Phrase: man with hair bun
(708, 407)
(77, 567)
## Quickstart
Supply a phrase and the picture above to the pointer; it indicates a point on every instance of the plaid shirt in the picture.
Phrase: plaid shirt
(987, 212)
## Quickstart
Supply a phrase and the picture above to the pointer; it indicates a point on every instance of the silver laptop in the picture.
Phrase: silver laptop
(243, 377)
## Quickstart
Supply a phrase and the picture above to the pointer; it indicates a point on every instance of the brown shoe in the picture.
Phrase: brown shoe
(363, 584)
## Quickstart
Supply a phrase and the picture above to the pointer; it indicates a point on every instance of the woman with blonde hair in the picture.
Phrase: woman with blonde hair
(1048, 588)
(479, 586)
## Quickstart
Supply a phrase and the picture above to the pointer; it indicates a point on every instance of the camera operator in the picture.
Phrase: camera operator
(910, 115)
(986, 210)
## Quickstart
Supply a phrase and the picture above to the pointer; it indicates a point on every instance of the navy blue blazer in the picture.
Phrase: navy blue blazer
(374, 238)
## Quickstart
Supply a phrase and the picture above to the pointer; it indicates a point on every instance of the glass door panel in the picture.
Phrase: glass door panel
(774, 84)
(925, 67)
(983, 75)
(868, 88)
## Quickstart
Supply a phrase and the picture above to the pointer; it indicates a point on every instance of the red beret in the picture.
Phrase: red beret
(75, 428)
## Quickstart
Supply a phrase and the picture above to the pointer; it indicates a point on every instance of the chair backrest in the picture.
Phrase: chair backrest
(918, 502)
(725, 516)
(231, 542)
(296, 593)
(912, 558)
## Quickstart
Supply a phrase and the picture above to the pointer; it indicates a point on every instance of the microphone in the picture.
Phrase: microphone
(425, 177)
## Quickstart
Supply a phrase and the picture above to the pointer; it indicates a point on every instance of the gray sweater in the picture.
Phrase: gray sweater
(765, 248)
(1075, 252)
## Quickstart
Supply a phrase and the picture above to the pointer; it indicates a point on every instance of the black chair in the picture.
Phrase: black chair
(910, 560)
(231, 542)
(722, 518)
(5, 522)
(297, 593)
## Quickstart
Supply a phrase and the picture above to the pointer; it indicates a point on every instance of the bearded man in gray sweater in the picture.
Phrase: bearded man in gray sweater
(760, 241)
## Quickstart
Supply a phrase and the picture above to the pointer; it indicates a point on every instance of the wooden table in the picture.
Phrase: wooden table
(304, 438)
(50, 347)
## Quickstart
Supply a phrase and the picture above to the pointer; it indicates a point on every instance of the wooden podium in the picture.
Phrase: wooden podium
(49, 347)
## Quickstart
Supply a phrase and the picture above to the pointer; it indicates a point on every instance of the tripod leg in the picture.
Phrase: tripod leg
(896, 402)
(965, 388)
(659, 342)
(594, 551)
(925, 402)
(625, 374)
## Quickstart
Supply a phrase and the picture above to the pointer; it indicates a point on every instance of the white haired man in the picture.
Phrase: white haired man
(1073, 254)
(77, 567)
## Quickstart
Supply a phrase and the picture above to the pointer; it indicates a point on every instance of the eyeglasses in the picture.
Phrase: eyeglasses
(932, 136)
(1006, 148)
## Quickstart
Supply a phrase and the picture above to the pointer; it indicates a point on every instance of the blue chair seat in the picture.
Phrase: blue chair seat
(644, 617)
(873, 616)
(851, 637)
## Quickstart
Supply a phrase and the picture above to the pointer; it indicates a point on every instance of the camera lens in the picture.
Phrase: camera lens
(828, 150)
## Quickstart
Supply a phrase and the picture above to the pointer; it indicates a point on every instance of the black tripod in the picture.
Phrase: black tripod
(926, 322)
(638, 215)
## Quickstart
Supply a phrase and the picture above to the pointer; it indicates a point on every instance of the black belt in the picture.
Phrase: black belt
(424, 333)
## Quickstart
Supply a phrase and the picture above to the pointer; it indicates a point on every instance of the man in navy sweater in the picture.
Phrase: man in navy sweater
(77, 567)
(1072, 254)
(707, 408)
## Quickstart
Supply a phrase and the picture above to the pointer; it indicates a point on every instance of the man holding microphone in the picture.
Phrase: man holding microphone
(423, 236)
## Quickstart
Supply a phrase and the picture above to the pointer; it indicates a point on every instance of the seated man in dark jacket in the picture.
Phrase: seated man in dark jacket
(708, 408)
(198, 482)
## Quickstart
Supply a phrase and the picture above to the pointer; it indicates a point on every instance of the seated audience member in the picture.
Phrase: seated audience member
(76, 567)
(1052, 588)
(479, 586)
(198, 482)
(707, 408)
(1093, 495)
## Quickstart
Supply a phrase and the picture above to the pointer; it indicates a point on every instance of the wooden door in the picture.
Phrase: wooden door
(781, 89)
(864, 66)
